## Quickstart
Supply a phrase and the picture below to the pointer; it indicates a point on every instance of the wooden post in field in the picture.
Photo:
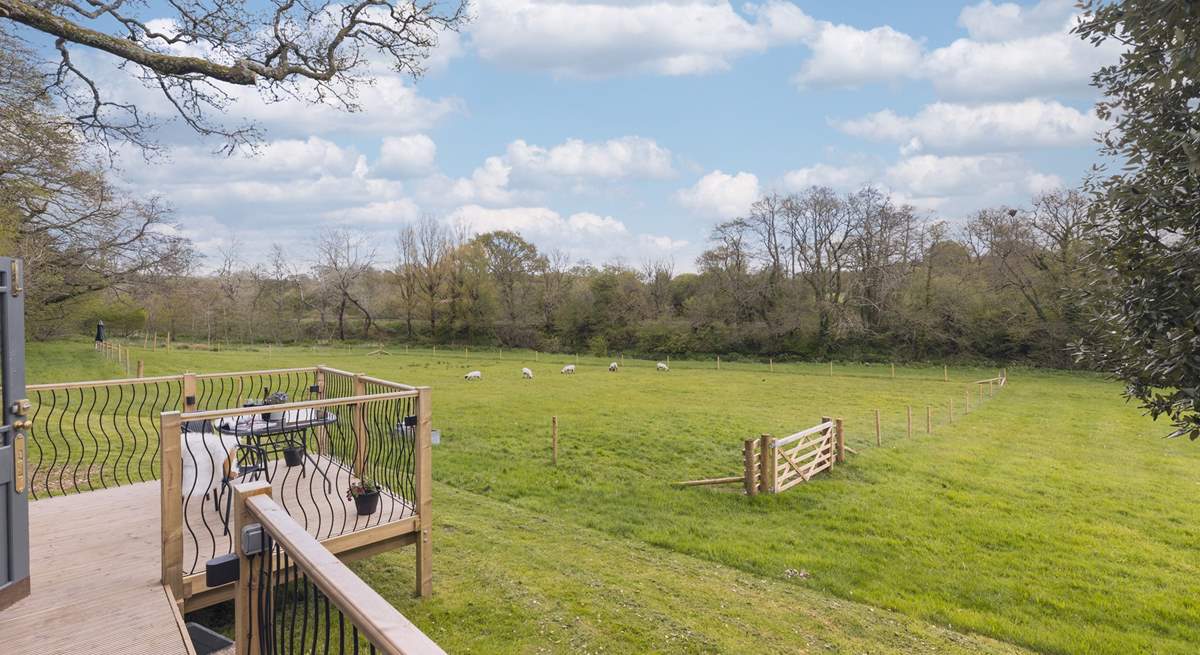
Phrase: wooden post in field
(878, 431)
(466, 352)
(245, 627)
(668, 360)
(980, 387)
(145, 339)
(771, 363)
(893, 370)
(554, 439)
(951, 411)
(945, 374)
(839, 434)
(750, 463)
(967, 400)
(718, 362)
(423, 477)
(501, 353)
(928, 419)
(908, 408)
(170, 503)
(156, 341)
(831, 368)
(766, 463)
(141, 369)
(576, 358)
(168, 342)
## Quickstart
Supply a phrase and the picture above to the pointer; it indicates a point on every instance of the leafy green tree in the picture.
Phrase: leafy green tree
(1144, 218)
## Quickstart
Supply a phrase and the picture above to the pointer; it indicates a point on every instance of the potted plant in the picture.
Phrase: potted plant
(365, 494)
(277, 398)
(293, 455)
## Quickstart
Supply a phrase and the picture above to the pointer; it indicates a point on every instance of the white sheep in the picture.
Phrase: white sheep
(612, 367)
(473, 375)
(569, 369)
(662, 366)
(526, 374)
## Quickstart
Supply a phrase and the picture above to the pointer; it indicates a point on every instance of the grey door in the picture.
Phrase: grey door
(14, 490)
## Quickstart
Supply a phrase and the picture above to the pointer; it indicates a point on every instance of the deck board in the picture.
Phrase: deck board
(95, 579)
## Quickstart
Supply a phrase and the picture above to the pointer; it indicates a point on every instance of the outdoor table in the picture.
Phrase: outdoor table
(272, 433)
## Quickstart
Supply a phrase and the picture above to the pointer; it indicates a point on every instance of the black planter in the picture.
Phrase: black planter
(293, 455)
(367, 503)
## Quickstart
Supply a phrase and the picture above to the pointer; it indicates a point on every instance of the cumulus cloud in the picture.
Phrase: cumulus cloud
(988, 21)
(602, 38)
(847, 56)
(407, 155)
(842, 178)
(719, 195)
(623, 157)
(930, 180)
(942, 126)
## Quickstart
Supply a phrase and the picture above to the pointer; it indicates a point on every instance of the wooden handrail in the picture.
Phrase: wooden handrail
(265, 371)
(87, 384)
(300, 404)
(375, 618)
(335, 371)
(385, 383)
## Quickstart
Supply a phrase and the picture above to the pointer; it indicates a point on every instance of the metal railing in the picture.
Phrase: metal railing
(295, 596)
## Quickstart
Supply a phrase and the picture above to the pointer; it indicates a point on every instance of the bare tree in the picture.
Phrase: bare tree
(406, 275)
(318, 51)
(432, 246)
(820, 229)
(657, 275)
(343, 259)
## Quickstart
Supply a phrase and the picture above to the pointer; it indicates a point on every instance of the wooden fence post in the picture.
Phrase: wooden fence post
(360, 428)
(945, 374)
(718, 362)
(156, 341)
(831, 368)
(170, 494)
(928, 419)
(554, 439)
(771, 364)
(244, 602)
(893, 370)
(168, 342)
(951, 411)
(423, 475)
(750, 463)
(878, 432)
(840, 436)
(767, 468)
(908, 408)
(141, 369)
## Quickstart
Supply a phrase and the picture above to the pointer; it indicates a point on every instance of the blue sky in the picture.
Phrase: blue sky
(624, 130)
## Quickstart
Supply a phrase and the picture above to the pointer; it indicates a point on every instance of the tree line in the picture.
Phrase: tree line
(812, 274)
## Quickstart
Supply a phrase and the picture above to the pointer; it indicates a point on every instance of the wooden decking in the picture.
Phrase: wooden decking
(316, 499)
(96, 559)
(94, 570)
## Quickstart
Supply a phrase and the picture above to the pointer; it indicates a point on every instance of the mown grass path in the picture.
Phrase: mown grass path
(1053, 516)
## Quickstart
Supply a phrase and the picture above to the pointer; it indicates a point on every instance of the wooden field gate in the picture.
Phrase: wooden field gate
(772, 466)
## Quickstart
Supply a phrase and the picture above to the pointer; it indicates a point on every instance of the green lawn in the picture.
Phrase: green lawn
(1052, 517)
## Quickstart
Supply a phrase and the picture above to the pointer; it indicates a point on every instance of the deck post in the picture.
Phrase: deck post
(189, 392)
(171, 502)
(360, 428)
(322, 433)
(750, 462)
(423, 475)
(766, 457)
(245, 629)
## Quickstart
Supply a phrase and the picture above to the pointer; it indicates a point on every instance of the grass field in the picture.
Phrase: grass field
(1052, 518)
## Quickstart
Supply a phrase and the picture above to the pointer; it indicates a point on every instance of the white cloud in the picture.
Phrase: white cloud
(842, 178)
(407, 155)
(623, 157)
(988, 21)
(721, 196)
(953, 127)
(588, 38)
(847, 56)
(931, 180)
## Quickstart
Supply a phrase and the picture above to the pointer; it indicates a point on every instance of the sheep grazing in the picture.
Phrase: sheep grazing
(569, 369)
(526, 374)
(612, 367)
(662, 366)
(473, 375)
